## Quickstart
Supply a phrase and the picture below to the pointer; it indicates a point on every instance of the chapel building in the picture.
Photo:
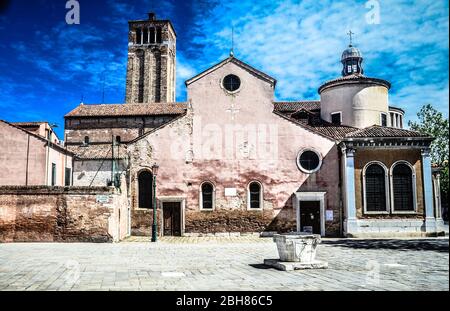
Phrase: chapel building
(232, 160)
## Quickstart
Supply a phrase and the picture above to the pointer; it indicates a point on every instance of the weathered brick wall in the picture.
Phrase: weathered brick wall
(242, 221)
(46, 214)
(141, 222)
(151, 68)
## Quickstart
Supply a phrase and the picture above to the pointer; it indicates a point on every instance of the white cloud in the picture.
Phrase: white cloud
(300, 44)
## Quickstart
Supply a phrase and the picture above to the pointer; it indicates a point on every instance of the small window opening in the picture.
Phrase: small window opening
(336, 118)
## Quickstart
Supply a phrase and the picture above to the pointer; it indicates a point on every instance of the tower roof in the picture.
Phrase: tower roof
(351, 52)
(354, 79)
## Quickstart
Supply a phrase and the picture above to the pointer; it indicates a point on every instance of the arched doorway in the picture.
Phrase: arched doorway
(145, 182)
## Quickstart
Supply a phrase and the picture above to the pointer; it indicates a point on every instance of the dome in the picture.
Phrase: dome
(351, 52)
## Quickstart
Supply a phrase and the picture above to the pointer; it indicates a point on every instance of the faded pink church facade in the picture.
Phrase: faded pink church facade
(234, 161)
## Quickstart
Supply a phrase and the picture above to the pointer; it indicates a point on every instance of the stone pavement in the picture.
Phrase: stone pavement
(223, 264)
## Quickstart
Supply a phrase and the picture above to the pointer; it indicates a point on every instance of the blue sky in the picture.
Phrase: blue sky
(46, 66)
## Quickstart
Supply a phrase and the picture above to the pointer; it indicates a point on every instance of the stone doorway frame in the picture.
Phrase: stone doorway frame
(310, 197)
(182, 201)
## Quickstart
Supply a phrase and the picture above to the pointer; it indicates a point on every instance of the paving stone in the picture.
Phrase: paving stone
(223, 263)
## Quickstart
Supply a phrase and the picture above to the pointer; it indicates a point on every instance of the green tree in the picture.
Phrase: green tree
(433, 122)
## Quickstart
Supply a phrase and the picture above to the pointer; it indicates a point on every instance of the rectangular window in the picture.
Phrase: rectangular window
(336, 118)
(53, 174)
(68, 177)
(145, 36)
(138, 36)
(152, 36)
(383, 119)
(159, 35)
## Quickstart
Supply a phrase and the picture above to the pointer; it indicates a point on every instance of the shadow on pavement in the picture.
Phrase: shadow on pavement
(439, 245)
(260, 266)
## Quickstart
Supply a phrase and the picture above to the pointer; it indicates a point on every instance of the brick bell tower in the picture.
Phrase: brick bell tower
(151, 61)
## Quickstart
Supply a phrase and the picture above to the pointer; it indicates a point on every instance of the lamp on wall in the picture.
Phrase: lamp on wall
(155, 169)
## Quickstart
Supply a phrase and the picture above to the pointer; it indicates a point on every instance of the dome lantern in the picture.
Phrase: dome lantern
(352, 60)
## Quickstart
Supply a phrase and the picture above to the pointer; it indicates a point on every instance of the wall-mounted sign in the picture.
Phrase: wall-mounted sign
(330, 215)
(230, 192)
(103, 199)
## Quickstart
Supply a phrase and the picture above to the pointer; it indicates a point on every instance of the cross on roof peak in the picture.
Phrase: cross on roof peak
(350, 33)
(232, 42)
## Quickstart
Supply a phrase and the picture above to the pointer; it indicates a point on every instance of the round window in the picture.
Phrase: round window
(309, 161)
(231, 83)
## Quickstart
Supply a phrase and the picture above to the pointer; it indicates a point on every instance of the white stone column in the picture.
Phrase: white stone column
(430, 219)
(350, 223)
(437, 201)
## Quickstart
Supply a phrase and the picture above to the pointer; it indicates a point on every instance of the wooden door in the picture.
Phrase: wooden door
(172, 218)
(310, 217)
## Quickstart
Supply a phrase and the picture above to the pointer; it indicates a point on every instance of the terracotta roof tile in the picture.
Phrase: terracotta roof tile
(112, 110)
(321, 127)
(28, 124)
(388, 132)
(341, 132)
(296, 106)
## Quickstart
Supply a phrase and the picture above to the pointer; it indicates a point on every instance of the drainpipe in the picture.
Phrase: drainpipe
(112, 162)
(47, 158)
(28, 160)
(129, 202)
(341, 200)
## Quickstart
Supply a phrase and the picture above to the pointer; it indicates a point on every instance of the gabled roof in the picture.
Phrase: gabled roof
(239, 63)
(114, 110)
(342, 132)
(304, 112)
(320, 127)
(51, 144)
(29, 124)
(377, 131)
(296, 106)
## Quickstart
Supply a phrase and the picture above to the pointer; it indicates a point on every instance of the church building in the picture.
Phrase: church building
(232, 160)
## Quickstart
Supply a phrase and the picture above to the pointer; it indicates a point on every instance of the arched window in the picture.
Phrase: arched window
(138, 36)
(255, 196)
(403, 188)
(145, 181)
(207, 196)
(375, 189)
(86, 140)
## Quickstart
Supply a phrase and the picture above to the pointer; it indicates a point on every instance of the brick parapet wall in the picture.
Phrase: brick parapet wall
(40, 190)
(58, 214)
